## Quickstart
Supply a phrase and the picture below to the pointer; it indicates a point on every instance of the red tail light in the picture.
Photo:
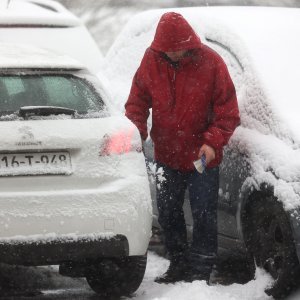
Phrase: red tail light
(118, 143)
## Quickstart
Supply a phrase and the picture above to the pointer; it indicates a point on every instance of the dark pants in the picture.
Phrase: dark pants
(203, 191)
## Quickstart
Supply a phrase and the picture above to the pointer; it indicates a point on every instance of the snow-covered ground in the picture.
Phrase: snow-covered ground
(53, 286)
(198, 290)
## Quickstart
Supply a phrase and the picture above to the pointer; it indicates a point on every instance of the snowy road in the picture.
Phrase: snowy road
(45, 283)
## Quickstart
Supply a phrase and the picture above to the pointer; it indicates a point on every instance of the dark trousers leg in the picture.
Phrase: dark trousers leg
(170, 189)
(203, 189)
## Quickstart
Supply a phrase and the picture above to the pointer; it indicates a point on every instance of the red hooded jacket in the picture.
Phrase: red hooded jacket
(193, 101)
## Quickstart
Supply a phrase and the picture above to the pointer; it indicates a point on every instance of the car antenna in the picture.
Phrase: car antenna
(8, 2)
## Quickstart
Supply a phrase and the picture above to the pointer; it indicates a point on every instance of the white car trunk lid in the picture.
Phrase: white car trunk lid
(67, 152)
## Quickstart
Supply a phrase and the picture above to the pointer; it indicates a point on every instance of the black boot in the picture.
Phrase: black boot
(194, 274)
(200, 267)
(177, 271)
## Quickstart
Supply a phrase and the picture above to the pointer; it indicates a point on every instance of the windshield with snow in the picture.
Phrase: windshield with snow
(49, 90)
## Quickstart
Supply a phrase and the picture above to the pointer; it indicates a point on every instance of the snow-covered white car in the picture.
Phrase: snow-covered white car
(73, 179)
(48, 24)
(259, 203)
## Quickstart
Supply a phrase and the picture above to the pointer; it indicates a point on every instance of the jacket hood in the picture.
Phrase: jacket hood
(174, 33)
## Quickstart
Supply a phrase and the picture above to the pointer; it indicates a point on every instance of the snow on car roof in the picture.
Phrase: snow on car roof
(36, 13)
(24, 56)
(269, 38)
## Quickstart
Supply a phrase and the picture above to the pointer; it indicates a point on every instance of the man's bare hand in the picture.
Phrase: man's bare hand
(209, 153)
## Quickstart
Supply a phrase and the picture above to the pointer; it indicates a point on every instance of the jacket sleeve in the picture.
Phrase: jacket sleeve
(225, 113)
(138, 103)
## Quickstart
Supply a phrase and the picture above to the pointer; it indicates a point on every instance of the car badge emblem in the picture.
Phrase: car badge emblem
(26, 132)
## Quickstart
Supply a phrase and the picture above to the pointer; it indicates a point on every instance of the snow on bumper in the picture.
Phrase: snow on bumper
(118, 208)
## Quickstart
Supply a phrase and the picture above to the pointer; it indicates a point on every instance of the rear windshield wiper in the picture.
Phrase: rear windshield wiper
(26, 111)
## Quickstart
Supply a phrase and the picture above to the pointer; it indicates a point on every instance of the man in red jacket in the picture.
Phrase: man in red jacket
(194, 113)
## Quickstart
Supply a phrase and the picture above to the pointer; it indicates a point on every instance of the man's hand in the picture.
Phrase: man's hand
(209, 153)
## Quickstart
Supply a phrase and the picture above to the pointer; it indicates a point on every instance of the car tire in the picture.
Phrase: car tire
(270, 242)
(113, 278)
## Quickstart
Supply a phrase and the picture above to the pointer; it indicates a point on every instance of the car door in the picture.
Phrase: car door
(231, 169)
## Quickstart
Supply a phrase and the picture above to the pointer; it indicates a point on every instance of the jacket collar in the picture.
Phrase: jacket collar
(189, 58)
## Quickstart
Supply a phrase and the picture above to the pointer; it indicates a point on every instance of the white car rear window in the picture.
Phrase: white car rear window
(67, 91)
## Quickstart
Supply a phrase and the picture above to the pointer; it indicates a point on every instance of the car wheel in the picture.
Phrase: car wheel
(111, 278)
(271, 244)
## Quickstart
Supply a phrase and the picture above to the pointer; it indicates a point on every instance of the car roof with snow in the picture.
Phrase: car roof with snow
(18, 56)
(262, 41)
(47, 24)
(36, 12)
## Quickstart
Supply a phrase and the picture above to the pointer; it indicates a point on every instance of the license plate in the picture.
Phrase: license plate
(36, 163)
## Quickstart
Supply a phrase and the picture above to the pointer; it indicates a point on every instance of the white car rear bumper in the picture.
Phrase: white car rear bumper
(115, 209)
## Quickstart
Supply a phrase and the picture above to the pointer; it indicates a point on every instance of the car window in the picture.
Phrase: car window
(232, 61)
(14, 86)
(48, 90)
